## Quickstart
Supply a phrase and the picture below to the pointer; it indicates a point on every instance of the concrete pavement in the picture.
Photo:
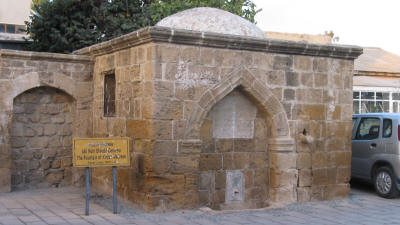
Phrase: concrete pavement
(66, 206)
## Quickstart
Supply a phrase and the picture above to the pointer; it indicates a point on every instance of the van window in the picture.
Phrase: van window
(387, 128)
(368, 129)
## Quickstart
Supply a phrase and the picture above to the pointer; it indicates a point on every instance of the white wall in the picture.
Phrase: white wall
(14, 11)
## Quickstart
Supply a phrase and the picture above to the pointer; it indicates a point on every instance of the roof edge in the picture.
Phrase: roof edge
(16, 54)
(376, 73)
(159, 34)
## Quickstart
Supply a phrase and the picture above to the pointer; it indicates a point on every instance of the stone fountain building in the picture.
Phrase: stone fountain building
(218, 114)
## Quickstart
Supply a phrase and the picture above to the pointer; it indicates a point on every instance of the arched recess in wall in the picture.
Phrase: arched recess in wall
(41, 130)
(31, 80)
(41, 138)
(236, 124)
(255, 89)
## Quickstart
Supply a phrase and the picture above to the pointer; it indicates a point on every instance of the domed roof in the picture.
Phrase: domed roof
(207, 19)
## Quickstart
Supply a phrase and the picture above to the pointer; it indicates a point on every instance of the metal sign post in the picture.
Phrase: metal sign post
(87, 191)
(96, 152)
(115, 189)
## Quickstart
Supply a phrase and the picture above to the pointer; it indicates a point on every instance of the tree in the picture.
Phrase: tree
(67, 25)
(63, 25)
(163, 8)
(123, 16)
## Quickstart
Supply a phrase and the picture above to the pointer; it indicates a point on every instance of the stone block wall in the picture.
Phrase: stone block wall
(159, 87)
(41, 139)
(286, 140)
(132, 67)
(20, 72)
(168, 81)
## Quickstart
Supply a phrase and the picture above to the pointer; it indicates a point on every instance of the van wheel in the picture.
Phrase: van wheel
(384, 183)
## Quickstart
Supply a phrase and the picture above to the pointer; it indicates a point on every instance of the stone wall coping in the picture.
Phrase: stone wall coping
(159, 34)
(15, 54)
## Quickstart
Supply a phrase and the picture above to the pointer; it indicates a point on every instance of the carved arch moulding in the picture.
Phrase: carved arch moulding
(255, 89)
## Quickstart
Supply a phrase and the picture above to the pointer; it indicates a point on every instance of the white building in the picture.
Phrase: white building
(376, 82)
(13, 14)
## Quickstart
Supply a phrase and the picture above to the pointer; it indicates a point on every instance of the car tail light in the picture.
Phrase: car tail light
(398, 132)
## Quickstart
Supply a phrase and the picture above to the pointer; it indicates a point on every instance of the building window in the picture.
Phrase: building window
(12, 28)
(376, 101)
(109, 95)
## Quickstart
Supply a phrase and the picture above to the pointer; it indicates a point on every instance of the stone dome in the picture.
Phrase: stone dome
(208, 19)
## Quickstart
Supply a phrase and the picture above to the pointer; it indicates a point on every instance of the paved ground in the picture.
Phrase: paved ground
(66, 206)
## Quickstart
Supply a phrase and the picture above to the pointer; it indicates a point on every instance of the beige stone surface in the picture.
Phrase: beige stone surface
(211, 20)
(292, 131)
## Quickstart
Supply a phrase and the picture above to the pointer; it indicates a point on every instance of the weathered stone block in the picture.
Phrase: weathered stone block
(210, 162)
(241, 160)
(56, 164)
(44, 164)
(258, 160)
(289, 94)
(207, 180)
(303, 194)
(185, 164)
(220, 180)
(243, 145)
(305, 178)
(190, 54)
(167, 148)
(206, 129)
(138, 129)
(309, 112)
(303, 161)
(190, 147)
(276, 78)
(42, 142)
(292, 79)
(320, 65)
(227, 161)
(54, 177)
(5, 180)
(283, 178)
(161, 164)
(282, 161)
(168, 109)
(302, 63)
(168, 53)
(283, 62)
(339, 129)
(343, 175)
(66, 162)
(283, 195)
(123, 57)
(50, 129)
(162, 129)
(320, 80)
(261, 178)
(336, 81)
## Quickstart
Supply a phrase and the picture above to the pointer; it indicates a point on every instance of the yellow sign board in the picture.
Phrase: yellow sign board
(95, 152)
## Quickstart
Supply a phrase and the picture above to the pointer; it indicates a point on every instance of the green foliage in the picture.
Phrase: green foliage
(163, 8)
(124, 16)
(67, 25)
(63, 25)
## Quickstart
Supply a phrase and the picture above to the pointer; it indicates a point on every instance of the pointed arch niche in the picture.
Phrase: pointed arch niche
(243, 132)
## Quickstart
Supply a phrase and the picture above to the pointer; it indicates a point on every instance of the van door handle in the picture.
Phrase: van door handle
(373, 145)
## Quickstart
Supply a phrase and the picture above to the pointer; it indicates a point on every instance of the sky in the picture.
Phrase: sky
(368, 23)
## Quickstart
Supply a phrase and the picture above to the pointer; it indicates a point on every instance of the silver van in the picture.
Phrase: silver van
(376, 151)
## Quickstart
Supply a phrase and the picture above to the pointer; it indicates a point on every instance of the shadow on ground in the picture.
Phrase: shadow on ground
(362, 186)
